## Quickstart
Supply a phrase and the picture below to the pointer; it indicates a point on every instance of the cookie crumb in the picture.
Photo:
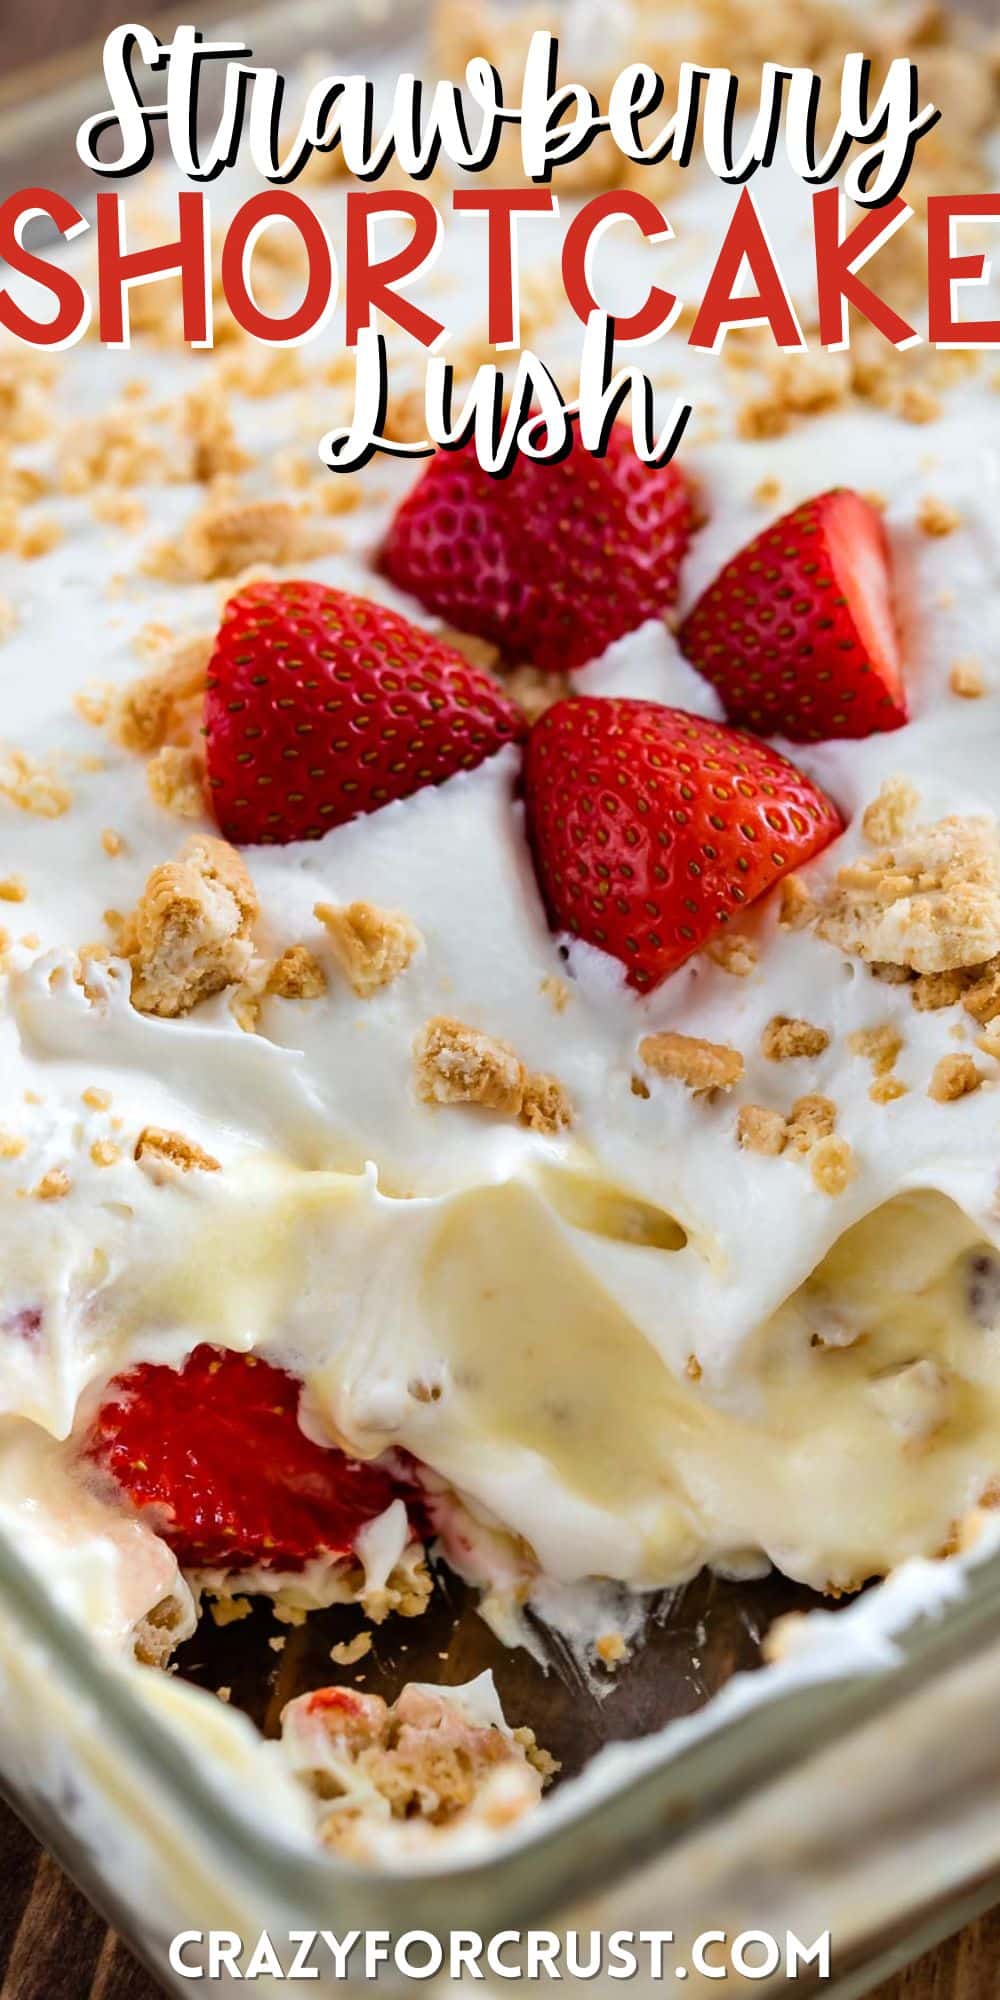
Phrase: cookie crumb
(545, 1105)
(13, 889)
(811, 1119)
(736, 955)
(189, 934)
(953, 1077)
(689, 1060)
(351, 1650)
(176, 779)
(296, 975)
(936, 518)
(52, 1186)
(929, 903)
(886, 1089)
(787, 1040)
(456, 1064)
(163, 1148)
(556, 992)
(760, 1130)
(967, 680)
(832, 1165)
(796, 908)
(371, 946)
(104, 1152)
(112, 842)
(611, 1649)
(887, 817)
(880, 1046)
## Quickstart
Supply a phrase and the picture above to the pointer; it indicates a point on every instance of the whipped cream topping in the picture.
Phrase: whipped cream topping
(588, 1307)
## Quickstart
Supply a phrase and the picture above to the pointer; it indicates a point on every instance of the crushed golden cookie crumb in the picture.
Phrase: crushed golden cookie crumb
(981, 997)
(736, 955)
(545, 1105)
(930, 991)
(371, 946)
(760, 1130)
(118, 510)
(796, 908)
(98, 1100)
(11, 1146)
(832, 1165)
(165, 705)
(688, 1059)
(351, 1650)
(533, 690)
(93, 704)
(918, 404)
(13, 889)
(611, 1649)
(112, 842)
(479, 652)
(162, 1148)
(810, 1119)
(456, 1064)
(176, 779)
(39, 537)
(556, 991)
(767, 493)
(52, 1186)
(639, 1087)
(422, 1756)
(929, 903)
(189, 934)
(104, 1152)
(880, 1046)
(296, 975)
(33, 786)
(229, 1610)
(886, 1089)
(953, 1077)
(227, 535)
(967, 680)
(786, 1040)
(693, 1368)
(8, 618)
(935, 517)
(887, 817)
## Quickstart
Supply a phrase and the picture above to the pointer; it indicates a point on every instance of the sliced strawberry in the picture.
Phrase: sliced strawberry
(651, 828)
(797, 632)
(554, 561)
(321, 706)
(213, 1453)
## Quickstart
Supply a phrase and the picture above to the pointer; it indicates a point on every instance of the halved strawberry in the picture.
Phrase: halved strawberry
(213, 1454)
(651, 828)
(321, 706)
(552, 562)
(797, 632)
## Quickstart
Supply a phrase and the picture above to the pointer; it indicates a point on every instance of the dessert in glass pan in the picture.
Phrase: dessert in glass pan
(501, 1021)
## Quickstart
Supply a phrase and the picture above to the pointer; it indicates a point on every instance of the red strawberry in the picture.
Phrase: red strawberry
(554, 561)
(797, 631)
(214, 1452)
(651, 828)
(321, 706)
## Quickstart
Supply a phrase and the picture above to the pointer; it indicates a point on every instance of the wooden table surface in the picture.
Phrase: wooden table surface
(54, 1946)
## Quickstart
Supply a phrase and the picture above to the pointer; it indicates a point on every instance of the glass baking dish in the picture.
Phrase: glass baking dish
(849, 1788)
